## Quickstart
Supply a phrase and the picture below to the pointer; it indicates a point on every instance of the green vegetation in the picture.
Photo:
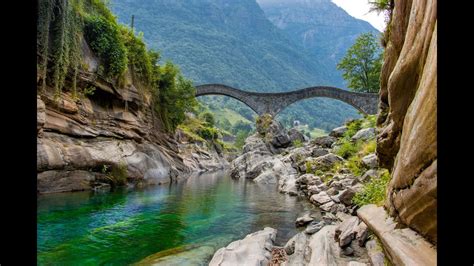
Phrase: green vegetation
(240, 139)
(362, 64)
(298, 143)
(208, 118)
(105, 39)
(213, 42)
(374, 192)
(60, 27)
(346, 148)
(355, 151)
(175, 96)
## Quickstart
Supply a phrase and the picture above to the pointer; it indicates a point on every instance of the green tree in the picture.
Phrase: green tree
(240, 138)
(209, 119)
(176, 96)
(362, 64)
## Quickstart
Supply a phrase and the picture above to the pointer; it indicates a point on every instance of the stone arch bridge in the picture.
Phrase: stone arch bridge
(273, 103)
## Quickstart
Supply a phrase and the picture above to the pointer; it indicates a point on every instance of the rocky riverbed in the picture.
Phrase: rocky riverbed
(309, 169)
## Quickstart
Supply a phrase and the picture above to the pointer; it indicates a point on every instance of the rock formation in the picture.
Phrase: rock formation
(407, 139)
(81, 140)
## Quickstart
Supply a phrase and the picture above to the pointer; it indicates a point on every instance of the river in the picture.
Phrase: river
(181, 223)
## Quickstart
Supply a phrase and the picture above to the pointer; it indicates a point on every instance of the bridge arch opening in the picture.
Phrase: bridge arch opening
(316, 115)
(230, 114)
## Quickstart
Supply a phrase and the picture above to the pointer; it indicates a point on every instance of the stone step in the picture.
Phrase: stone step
(403, 246)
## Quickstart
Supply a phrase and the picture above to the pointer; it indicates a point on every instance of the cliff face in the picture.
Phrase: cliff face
(81, 141)
(407, 138)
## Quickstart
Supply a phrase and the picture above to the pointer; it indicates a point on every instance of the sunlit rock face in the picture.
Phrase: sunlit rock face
(407, 139)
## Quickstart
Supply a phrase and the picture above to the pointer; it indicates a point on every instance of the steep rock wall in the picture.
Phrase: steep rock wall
(407, 138)
(80, 140)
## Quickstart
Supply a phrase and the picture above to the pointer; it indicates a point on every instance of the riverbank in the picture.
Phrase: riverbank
(340, 175)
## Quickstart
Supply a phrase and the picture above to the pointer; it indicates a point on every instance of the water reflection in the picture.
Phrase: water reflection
(125, 226)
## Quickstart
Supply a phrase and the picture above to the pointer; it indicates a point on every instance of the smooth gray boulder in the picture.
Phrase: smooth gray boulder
(369, 175)
(370, 161)
(254, 249)
(303, 220)
(364, 134)
(338, 132)
(346, 231)
(324, 141)
(296, 135)
(376, 255)
(320, 198)
(314, 227)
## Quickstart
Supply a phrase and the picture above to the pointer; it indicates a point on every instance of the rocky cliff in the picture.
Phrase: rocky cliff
(107, 137)
(407, 138)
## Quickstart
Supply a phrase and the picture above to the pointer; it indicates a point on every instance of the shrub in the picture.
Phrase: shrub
(105, 40)
(298, 143)
(369, 121)
(352, 128)
(347, 148)
(208, 117)
(374, 192)
(368, 147)
(354, 164)
(208, 133)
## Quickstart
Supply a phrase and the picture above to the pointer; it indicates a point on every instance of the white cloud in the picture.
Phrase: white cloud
(360, 9)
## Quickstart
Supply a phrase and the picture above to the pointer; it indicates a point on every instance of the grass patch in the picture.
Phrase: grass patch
(369, 121)
(346, 148)
(298, 143)
(368, 147)
(317, 132)
(354, 164)
(374, 192)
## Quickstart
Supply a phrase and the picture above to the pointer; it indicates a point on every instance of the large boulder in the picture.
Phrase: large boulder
(403, 245)
(338, 132)
(322, 163)
(296, 248)
(323, 250)
(296, 135)
(324, 141)
(370, 161)
(364, 134)
(346, 231)
(272, 131)
(320, 198)
(254, 249)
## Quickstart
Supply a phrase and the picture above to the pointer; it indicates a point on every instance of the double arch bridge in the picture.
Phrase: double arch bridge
(273, 103)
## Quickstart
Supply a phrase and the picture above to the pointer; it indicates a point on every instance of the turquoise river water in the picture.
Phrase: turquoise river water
(175, 224)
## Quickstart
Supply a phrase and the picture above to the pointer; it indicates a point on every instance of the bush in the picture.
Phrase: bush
(105, 40)
(347, 148)
(240, 138)
(374, 192)
(368, 147)
(138, 57)
(208, 133)
(354, 164)
(209, 119)
(352, 128)
(298, 143)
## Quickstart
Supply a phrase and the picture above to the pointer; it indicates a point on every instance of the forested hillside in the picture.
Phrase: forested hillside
(230, 42)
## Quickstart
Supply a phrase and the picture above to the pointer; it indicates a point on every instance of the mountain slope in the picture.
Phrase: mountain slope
(325, 30)
(232, 42)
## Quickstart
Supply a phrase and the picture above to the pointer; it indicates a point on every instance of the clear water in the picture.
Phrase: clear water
(177, 224)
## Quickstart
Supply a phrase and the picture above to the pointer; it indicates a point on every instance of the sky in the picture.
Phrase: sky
(360, 9)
